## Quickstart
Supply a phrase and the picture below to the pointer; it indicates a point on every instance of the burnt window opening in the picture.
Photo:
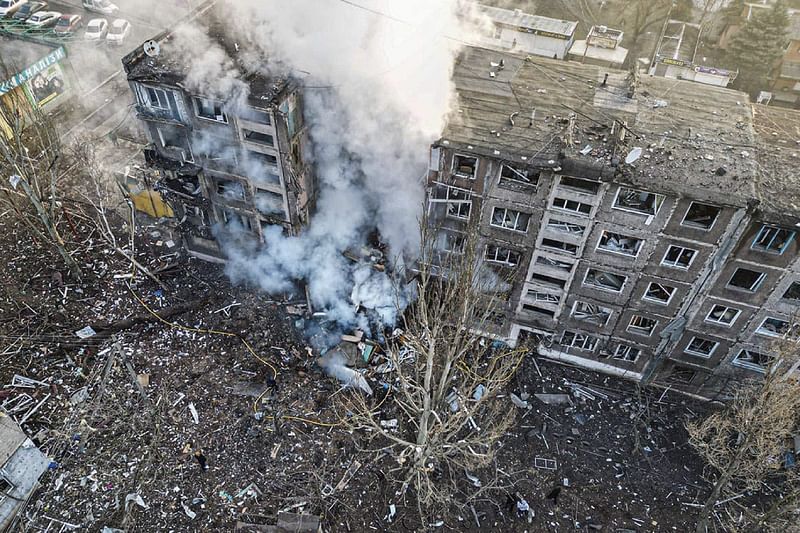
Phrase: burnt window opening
(643, 202)
(209, 109)
(701, 347)
(510, 219)
(773, 240)
(267, 159)
(232, 218)
(681, 375)
(268, 202)
(498, 254)
(642, 325)
(577, 340)
(793, 292)
(746, 279)
(580, 185)
(537, 309)
(623, 352)
(700, 216)
(554, 263)
(620, 244)
(258, 137)
(230, 190)
(572, 206)
(465, 166)
(659, 293)
(516, 179)
(753, 360)
(257, 115)
(678, 257)
(548, 281)
(604, 280)
(565, 247)
(592, 313)
(453, 243)
(721, 314)
(566, 227)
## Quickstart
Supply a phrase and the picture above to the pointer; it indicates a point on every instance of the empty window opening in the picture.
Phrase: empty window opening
(257, 115)
(753, 360)
(701, 347)
(584, 186)
(237, 219)
(604, 280)
(793, 292)
(773, 240)
(560, 246)
(681, 375)
(623, 352)
(721, 314)
(700, 216)
(453, 243)
(578, 340)
(548, 281)
(498, 254)
(5, 488)
(643, 202)
(746, 279)
(465, 166)
(540, 310)
(678, 257)
(642, 325)
(543, 297)
(656, 292)
(268, 202)
(774, 327)
(572, 205)
(230, 190)
(459, 201)
(620, 244)
(592, 313)
(268, 159)
(566, 266)
(509, 219)
(566, 227)
(158, 98)
(258, 137)
(209, 110)
(516, 179)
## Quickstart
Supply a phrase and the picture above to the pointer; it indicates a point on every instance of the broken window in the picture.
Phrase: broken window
(232, 218)
(230, 190)
(656, 292)
(623, 352)
(701, 347)
(642, 325)
(209, 109)
(566, 227)
(678, 257)
(257, 115)
(721, 314)
(604, 280)
(746, 279)
(153, 98)
(753, 360)
(584, 186)
(543, 297)
(593, 313)
(572, 205)
(793, 292)
(772, 239)
(459, 201)
(498, 254)
(560, 246)
(453, 243)
(681, 375)
(537, 309)
(643, 202)
(5, 488)
(548, 281)
(509, 219)
(621, 244)
(268, 159)
(578, 340)
(258, 137)
(465, 166)
(268, 202)
(700, 216)
(566, 266)
(773, 327)
(517, 179)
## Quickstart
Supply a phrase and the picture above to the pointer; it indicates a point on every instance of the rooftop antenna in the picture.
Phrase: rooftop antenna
(151, 48)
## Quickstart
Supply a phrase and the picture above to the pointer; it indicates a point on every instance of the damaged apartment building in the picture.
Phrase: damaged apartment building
(633, 217)
(232, 165)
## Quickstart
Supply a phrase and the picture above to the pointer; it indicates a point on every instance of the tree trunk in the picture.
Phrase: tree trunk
(722, 482)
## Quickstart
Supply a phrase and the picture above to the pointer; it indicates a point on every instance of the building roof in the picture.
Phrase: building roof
(614, 56)
(791, 70)
(693, 136)
(11, 438)
(679, 41)
(530, 22)
(777, 132)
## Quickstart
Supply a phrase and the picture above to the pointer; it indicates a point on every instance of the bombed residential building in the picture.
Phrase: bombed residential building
(645, 225)
(226, 141)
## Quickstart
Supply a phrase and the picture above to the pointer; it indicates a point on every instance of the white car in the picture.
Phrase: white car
(118, 31)
(96, 30)
(100, 6)
(43, 19)
(9, 7)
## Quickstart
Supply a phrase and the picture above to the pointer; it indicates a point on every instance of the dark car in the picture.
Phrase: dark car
(29, 9)
(68, 24)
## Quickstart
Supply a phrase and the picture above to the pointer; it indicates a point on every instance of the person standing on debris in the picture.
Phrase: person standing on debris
(201, 459)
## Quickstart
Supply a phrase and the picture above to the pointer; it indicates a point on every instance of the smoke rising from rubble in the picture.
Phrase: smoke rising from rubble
(377, 90)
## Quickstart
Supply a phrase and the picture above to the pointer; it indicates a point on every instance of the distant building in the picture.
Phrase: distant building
(522, 33)
(681, 265)
(21, 465)
(676, 54)
(222, 164)
(601, 47)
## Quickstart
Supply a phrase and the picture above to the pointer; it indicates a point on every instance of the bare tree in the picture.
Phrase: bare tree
(446, 377)
(745, 445)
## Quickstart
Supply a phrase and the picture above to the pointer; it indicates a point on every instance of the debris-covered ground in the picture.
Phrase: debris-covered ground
(163, 383)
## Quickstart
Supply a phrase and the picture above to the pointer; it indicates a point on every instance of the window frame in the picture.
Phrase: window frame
(621, 288)
(454, 237)
(748, 365)
(627, 349)
(563, 226)
(792, 284)
(578, 189)
(516, 221)
(591, 339)
(718, 322)
(639, 330)
(606, 250)
(766, 228)
(696, 353)
(656, 301)
(196, 105)
(696, 226)
(658, 203)
(474, 171)
(497, 261)
(575, 212)
(753, 288)
(785, 335)
(666, 263)
(582, 302)
(519, 182)
(566, 249)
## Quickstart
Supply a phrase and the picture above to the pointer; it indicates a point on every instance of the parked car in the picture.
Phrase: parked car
(100, 6)
(29, 9)
(118, 31)
(43, 19)
(68, 24)
(96, 30)
(9, 7)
